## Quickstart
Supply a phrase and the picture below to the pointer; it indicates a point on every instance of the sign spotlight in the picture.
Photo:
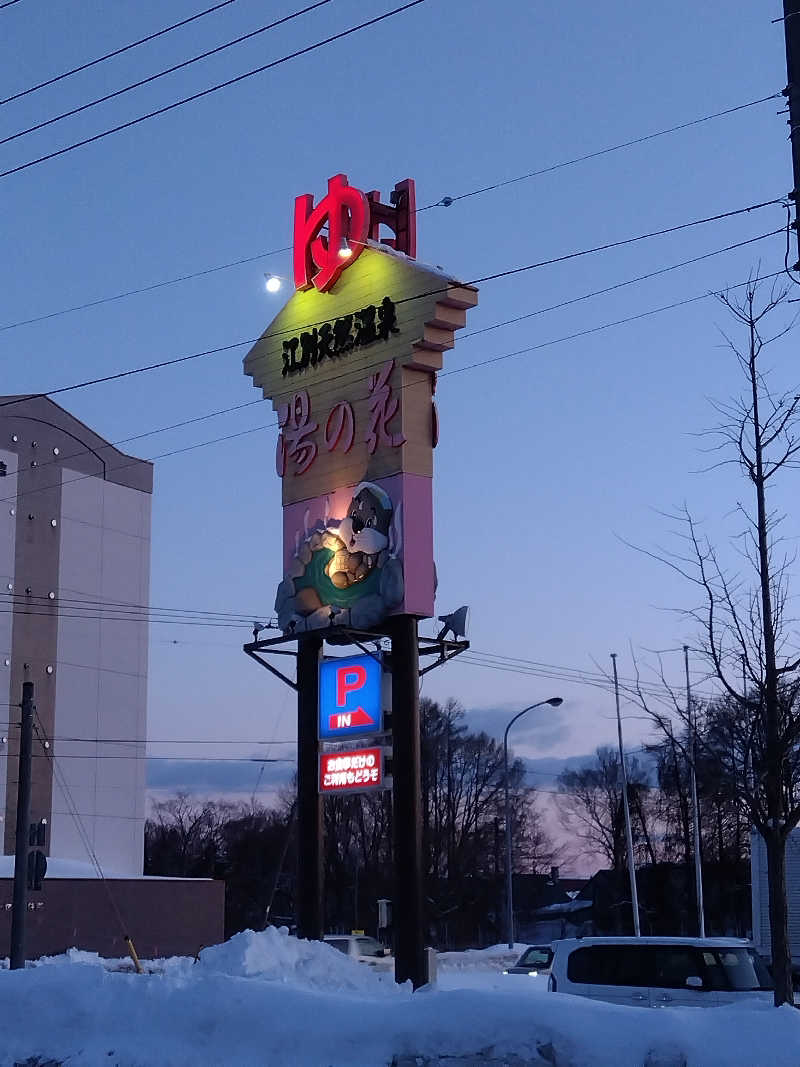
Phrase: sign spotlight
(455, 623)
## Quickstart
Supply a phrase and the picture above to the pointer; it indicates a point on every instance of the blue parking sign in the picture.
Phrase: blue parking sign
(350, 697)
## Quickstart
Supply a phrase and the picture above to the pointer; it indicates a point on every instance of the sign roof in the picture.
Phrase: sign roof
(430, 305)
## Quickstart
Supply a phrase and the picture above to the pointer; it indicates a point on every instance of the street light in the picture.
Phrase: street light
(553, 702)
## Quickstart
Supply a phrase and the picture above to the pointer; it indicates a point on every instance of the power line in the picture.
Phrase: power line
(162, 73)
(212, 89)
(79, 824)
(619, 285)
(116, 52)
(569, 675)
(144, 289)
(475, 657)
(509, 272)
(439, 203)
(627, 241)
(463, 337)
(180, 741)
(119, 605)
(189, 759)
(611, 148)
(441, 374)
(8, 3)
(150, 620)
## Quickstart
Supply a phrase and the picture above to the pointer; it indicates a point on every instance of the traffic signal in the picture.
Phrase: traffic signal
(37, 861)
(37, 869)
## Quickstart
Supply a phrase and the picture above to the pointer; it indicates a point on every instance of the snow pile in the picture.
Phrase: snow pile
(271, 999)
(493, 958)
(274, 956)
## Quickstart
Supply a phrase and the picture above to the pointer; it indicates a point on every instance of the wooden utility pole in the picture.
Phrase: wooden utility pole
(19, 907)
(310, 878)
(407, 904)
(791, 29)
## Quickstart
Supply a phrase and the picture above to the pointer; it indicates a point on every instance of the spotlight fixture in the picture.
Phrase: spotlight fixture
(455, 623)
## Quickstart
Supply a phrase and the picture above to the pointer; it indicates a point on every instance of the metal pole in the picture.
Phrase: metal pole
(554, 702)
(355, 896)
(407, 905)
(310, 907)
(628, 832)
(791, 29)
(20, 899)
(698, 869)
(509, 873)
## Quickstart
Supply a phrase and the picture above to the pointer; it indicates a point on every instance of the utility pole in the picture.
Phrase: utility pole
(19, 907)
(698, 869)
(309, 906)
(791, 30)
(628, 832)
(408, 902)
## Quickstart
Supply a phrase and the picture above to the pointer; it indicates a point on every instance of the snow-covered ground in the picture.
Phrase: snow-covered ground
(269, 999)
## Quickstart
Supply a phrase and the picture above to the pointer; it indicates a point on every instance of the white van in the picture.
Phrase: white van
(660, 972)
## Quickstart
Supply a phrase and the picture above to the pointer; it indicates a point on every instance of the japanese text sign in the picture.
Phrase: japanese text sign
(350, 366)
(350, 697)
(356, 771)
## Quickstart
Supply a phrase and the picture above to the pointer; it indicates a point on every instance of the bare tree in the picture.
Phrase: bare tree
(742, 621)
(592, 809)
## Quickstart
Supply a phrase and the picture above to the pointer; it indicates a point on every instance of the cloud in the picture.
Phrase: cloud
(216, 776)
(541, 729)
(543, 771)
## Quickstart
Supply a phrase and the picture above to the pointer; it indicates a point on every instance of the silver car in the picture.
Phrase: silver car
(363, 949)
(535, 960)
(660, 972)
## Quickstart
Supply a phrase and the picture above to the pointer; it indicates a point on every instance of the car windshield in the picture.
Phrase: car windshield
(368, 946)
(535, 957)
(736, 968)
(337, 942)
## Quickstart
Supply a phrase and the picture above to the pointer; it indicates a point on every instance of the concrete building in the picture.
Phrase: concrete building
(74, 595)
(74, 586)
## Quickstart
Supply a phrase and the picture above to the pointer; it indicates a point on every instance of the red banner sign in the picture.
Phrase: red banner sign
(355, 771)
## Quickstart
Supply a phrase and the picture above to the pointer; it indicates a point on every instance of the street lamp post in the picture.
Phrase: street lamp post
(553, 702)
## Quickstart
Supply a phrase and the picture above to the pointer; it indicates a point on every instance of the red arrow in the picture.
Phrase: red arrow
(358, 717)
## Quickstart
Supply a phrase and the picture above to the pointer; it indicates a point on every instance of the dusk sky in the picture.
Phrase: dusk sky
(550, 459)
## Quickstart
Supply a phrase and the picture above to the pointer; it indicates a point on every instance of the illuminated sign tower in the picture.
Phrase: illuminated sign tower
(350, 365)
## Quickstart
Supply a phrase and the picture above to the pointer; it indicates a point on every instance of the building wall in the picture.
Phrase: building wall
(163, 916)
(77, 553)
(101, 685)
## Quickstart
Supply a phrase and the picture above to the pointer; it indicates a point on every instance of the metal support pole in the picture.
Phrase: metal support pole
(698, 869)
(791, 29)
(309, 907)
(554, 702)
(20, 899)
(509, 858)
(628, 831)
(407, 906)
(355, 895)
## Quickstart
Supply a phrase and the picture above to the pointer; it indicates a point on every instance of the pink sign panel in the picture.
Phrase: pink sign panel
(358, 554)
